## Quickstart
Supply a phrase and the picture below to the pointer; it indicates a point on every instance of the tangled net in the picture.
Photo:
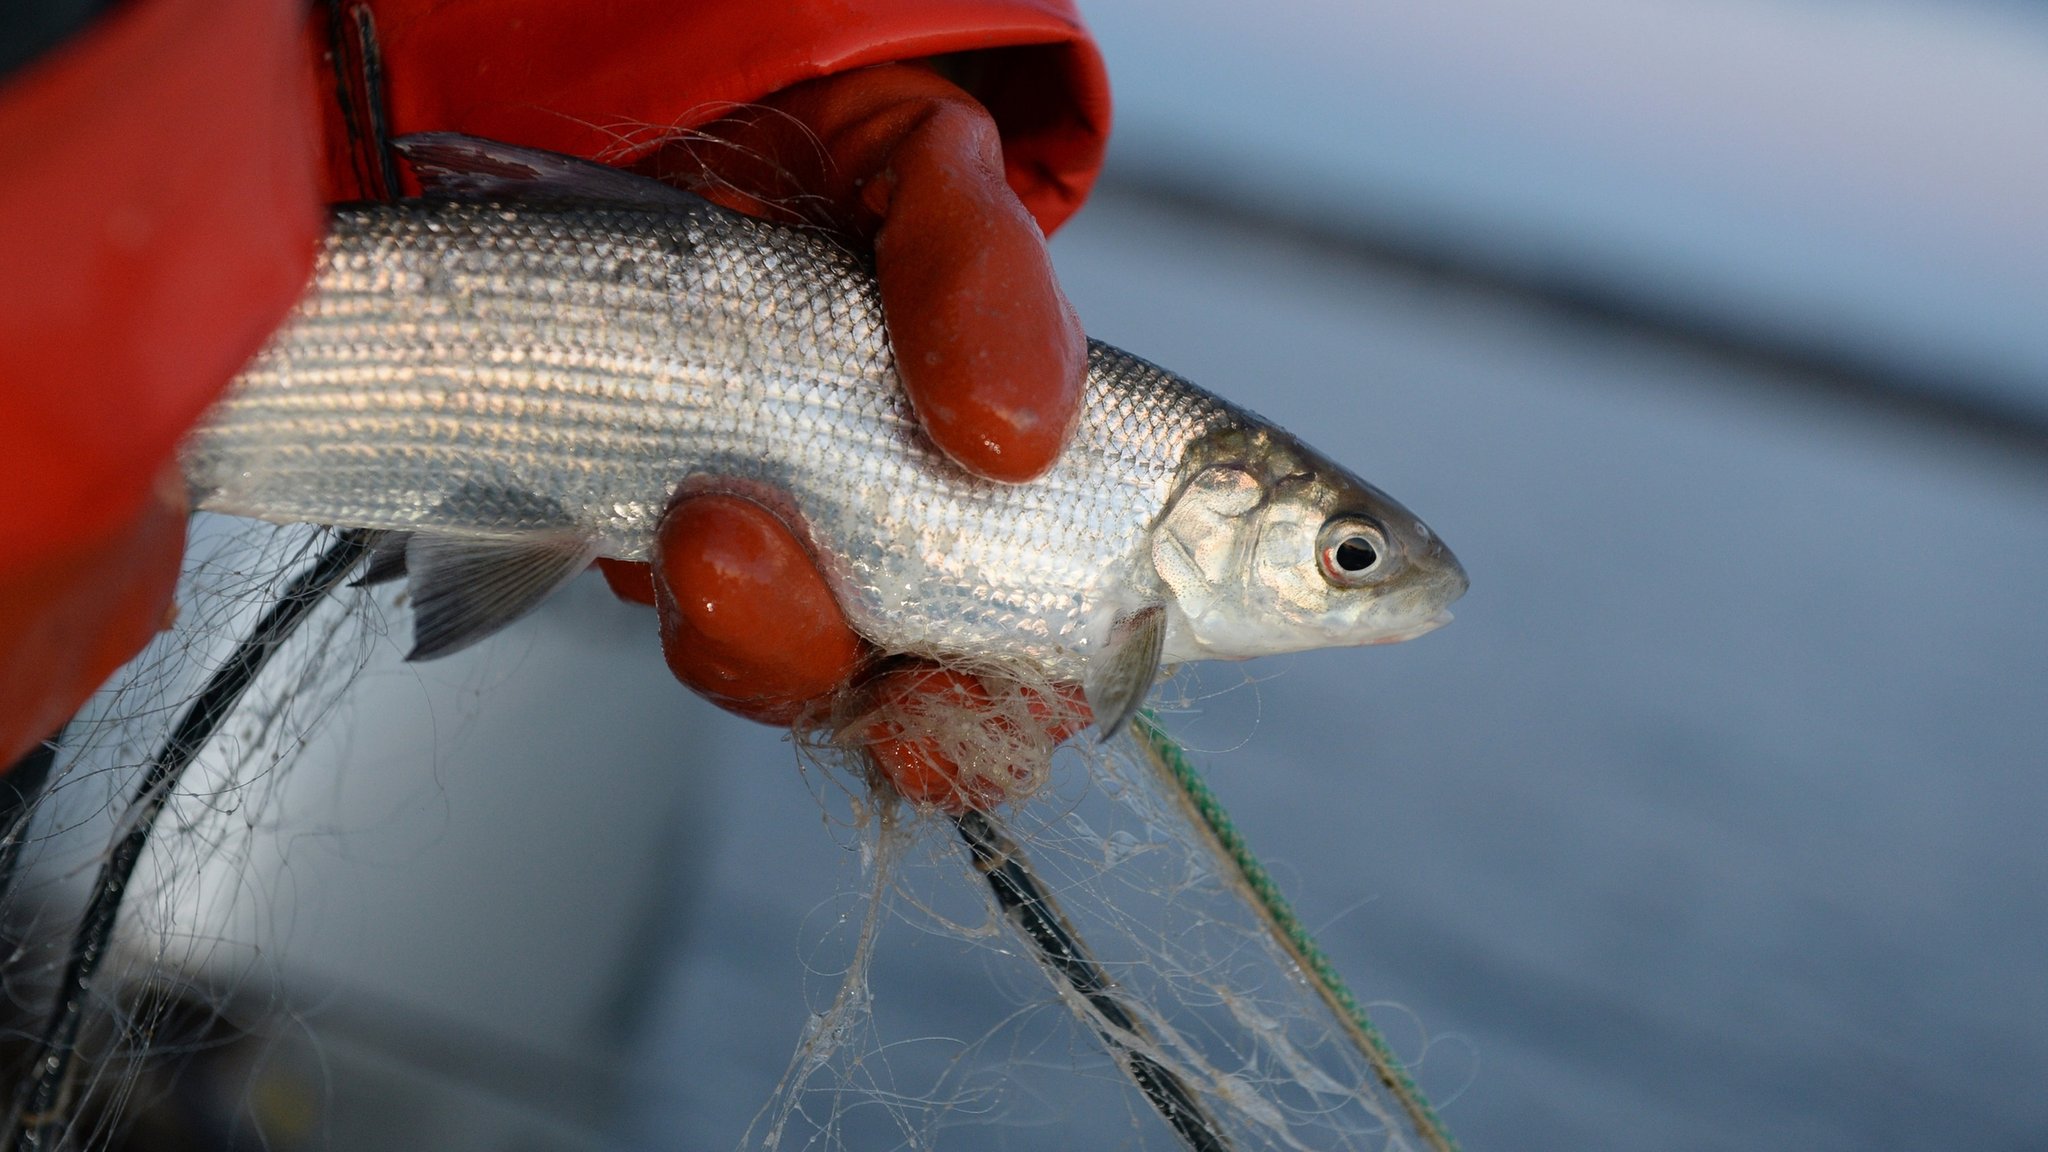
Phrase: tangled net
(1191, 976)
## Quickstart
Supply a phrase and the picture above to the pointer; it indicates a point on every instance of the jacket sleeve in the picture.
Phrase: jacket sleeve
(161, 207)
(609, 80)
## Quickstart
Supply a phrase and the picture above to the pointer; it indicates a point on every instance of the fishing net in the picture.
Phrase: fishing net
(1156, 979)
(81, 1031)
(1146, 952)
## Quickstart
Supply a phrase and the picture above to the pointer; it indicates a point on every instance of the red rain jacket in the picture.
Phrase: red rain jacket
(162, 176)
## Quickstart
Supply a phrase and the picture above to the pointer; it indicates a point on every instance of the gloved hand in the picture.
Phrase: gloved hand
(989, 350)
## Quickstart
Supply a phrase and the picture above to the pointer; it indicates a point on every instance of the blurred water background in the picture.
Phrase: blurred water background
(1713, 336)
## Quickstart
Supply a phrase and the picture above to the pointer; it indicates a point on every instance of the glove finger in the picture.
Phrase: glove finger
(989, 350)
(942, 739)
(630, 580)
(746, 618)
(907, 755)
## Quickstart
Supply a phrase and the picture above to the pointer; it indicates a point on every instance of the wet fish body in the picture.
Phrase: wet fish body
(527, 376)
(479, 369)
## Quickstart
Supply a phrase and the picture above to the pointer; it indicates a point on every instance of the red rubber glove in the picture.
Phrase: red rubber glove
(898, 158)
(990, 352)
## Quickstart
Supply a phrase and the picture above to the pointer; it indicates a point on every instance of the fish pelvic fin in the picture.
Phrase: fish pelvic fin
(1121, 675)
(387, 561)
(464, 588)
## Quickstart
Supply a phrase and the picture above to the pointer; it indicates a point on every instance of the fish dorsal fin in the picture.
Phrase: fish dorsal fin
(387, 560)
(460, 167)
(1119, 677)
(464, 588)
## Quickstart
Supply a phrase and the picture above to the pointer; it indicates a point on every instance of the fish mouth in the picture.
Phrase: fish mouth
(1423, 627)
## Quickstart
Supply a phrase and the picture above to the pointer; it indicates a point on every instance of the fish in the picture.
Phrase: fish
(518, 372)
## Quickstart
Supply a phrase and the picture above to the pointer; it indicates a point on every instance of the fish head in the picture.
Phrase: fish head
(1268, 546)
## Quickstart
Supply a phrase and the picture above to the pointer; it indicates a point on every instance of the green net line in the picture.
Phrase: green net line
(1170, 758)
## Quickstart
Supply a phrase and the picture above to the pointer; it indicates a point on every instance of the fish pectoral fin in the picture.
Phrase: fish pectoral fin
(387, 560)
(455, 166)
(463, 588)
(1119, 678)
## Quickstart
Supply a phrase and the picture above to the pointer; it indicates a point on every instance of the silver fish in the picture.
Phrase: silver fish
(524, 370)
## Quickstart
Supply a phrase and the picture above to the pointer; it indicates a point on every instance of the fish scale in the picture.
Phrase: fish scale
(496, 368)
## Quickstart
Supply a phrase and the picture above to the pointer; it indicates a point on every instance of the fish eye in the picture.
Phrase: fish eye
(1353, 551)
